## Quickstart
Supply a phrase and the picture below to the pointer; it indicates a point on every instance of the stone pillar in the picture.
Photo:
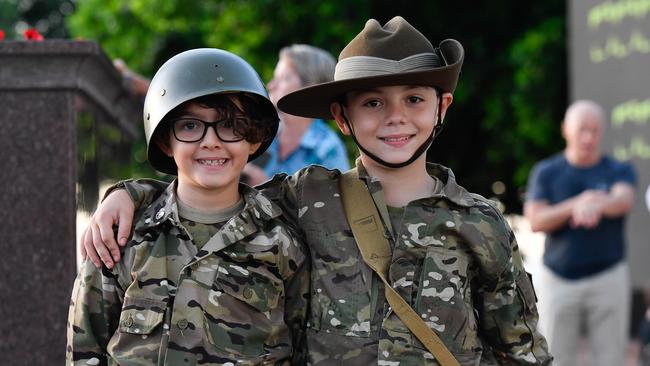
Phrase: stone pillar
(59, 100)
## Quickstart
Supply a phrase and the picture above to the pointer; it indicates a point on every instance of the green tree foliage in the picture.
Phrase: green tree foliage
(46, 16)
(145, 33)
(506, 110)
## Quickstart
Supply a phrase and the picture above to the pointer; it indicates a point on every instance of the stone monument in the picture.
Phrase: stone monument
(60, 101)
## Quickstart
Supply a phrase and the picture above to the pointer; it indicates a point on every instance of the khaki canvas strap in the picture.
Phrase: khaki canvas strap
(368, 231)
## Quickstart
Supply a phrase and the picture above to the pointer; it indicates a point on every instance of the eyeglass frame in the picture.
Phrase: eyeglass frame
(206, 125)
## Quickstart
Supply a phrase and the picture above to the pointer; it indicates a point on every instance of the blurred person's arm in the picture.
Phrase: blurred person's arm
(580, 210)
(546, 215)
(584, 210)
(618, 201)
(137, 83)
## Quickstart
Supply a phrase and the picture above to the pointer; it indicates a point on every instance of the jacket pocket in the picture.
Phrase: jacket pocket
(139, 335)
(141, 316)
(341, 301)
(444, 299)
(525, 288)
(260, 290)
(244, 314)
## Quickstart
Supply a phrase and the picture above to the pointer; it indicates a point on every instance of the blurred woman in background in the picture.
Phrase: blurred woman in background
(300, 141)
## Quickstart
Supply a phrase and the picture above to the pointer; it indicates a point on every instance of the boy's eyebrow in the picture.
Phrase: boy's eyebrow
(409, 87)
(376, 90)
(183, 114)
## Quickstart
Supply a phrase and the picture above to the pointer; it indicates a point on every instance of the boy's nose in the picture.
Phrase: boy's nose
(395, 114)
(211, 140)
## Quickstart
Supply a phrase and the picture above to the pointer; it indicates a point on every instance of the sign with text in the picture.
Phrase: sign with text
(609, 50)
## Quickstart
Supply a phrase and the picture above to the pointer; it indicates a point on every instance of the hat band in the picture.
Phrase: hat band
(366, 66)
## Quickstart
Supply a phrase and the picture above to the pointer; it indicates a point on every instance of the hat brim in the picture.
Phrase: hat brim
(314, 101)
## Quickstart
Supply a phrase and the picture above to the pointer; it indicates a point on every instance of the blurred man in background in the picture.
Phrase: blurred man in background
(579, 198)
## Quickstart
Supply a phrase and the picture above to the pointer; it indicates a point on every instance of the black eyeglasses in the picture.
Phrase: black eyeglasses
(193, 130)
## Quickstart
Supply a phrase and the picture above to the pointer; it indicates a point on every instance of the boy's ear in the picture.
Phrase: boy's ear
(253, 148)
(336, 109)
(447, 99)
(164, 147)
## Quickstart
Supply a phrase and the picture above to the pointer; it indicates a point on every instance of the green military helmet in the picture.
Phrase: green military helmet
(196, 73)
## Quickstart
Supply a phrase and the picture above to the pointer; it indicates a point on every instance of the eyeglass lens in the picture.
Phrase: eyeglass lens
(193, 130)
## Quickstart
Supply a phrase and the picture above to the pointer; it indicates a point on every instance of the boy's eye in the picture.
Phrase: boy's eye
(187, 124)
(372, 103)
(415, 99)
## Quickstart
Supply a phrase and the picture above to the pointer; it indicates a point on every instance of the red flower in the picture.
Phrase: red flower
(2, 35)
(32, 35)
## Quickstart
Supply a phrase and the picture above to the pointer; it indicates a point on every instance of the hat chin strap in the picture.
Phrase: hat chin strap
(420, 150)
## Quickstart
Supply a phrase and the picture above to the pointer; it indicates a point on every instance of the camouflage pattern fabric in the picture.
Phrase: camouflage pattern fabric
(200, 233)
(240, 300)
(455, 260)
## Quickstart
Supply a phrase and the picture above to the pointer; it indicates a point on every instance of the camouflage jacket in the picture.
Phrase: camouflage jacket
(238, 300)
(455, 260)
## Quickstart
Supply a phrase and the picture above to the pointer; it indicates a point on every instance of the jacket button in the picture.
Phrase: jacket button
(128, 322)
(248, 293)
(182, 324)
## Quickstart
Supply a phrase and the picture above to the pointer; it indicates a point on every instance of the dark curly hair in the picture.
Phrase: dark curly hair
(255, 116)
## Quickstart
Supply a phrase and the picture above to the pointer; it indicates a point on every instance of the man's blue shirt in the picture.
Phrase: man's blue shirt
(575, 253)
(319, 145)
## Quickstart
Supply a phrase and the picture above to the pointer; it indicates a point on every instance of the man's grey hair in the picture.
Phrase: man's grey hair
(314, 65)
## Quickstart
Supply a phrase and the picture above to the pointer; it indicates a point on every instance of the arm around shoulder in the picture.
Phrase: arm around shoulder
(144, 191)
(120, 202)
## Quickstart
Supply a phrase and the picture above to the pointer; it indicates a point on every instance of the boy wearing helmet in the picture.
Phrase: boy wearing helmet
(210, 274)
(452, 257)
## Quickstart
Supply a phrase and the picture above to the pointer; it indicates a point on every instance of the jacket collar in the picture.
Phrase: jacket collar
(450, 190)
(257, 210)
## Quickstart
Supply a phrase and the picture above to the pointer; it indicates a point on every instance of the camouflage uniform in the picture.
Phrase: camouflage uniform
(455, 260)
(240, 299)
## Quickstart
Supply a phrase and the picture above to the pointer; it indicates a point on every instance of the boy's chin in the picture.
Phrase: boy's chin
(392, 159)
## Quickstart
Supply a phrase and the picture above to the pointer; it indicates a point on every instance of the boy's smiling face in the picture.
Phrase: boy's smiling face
(209, 165)
(391, 122)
